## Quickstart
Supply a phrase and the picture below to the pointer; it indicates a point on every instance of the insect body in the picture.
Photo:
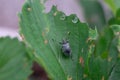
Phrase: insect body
(65, 47)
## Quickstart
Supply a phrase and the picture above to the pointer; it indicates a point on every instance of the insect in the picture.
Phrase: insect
(65, 48)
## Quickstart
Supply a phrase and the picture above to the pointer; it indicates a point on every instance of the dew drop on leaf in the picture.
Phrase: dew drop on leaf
(75, 20)
(63, 17)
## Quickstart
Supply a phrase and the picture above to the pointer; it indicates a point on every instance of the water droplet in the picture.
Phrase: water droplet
(75, 20)
(63, 17)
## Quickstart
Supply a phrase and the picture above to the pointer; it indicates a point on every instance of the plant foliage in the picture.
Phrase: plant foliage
(15, 63)
(95, 56)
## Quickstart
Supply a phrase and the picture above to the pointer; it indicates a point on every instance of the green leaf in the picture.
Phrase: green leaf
(114, 54)
(114, 5)
(118, 44)
(93, 34)
(115, 74)
(15, 63)
(115, 20)
(105, 56)
(103, 42)
(97, 68)
(115, 28)
(43, 32)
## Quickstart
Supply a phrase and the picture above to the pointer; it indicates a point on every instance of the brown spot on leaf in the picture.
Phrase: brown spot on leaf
(84, 75)
(89, 39)
(118, 33)
(46, 29)
(69, 78)
(22, 36)
(109, 59)
(29, 9)
(103, 78)
(81, 61)
(45, 41)
(43, 34)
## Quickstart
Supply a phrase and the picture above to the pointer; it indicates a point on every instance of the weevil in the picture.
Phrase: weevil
(65, 47)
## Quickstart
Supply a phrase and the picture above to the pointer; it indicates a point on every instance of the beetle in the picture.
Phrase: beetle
(65, 48)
